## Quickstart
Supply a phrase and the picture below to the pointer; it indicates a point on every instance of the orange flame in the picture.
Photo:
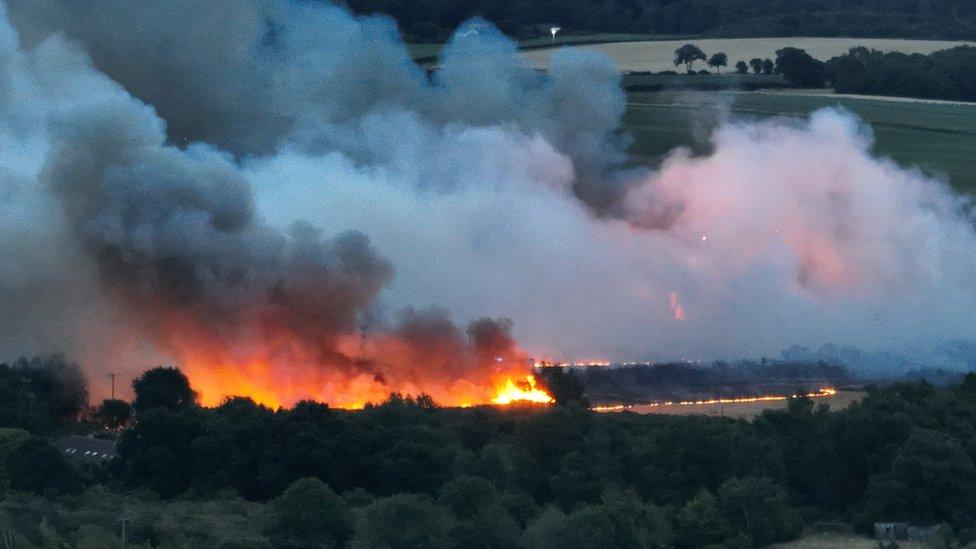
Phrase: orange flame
(521, 391)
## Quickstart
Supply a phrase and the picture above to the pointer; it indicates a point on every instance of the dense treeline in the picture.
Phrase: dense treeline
(408, 474)
(947, 74)
(435, 19)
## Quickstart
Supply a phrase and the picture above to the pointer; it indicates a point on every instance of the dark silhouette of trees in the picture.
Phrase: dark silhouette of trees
(404, 520)
(687, 55)
(799, 69)
(113, 414)
(36, 466)
(718, 60)
(309, 513)
(759, 510)
(415, 475)
(564, 386)
(41, 394)
(435, 20)
(946, 74)
(768, 67)
(162, 387)
(756, 64)
(742, 67)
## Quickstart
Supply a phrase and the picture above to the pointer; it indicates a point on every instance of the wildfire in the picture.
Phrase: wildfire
(521, 391)
(825, 392)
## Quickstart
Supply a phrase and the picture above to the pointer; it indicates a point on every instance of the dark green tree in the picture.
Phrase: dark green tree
(759, 509)
(163, 387)
(687, 55)
(113, 414)
(768, 67)
(36, 466)
(564, 386)
(800, 69)
(310, 514)
(742, 67)
(404, 521)
(756, 64)
(700, 523)
(718, 60)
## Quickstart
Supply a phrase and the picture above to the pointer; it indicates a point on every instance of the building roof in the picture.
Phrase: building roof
(87, 448)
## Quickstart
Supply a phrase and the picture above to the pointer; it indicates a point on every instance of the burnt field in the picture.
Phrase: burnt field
(675, 382)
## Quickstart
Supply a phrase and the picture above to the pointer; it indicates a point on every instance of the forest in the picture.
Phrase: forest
(946, 74)
(435, 20)
(407, 473)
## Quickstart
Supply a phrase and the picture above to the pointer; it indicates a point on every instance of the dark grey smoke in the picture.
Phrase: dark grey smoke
(172, 229)
(57, 385)
(251, 75)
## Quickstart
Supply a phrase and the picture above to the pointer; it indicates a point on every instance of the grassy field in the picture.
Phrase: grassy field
(939, 138)
(745, 410)
(658, 55)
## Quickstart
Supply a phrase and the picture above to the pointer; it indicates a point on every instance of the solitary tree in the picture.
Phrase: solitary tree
(756, 64)
(687, 55)
(163, 388)
(113, 414)
(741, 67)
(718, 60)
(768, 66)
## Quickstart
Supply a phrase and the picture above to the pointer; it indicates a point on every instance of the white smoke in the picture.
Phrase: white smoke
(491, 188)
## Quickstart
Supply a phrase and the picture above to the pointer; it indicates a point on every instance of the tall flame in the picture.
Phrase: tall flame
(521, 391)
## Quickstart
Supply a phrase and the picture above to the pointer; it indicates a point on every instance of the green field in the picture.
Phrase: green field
(939, 138)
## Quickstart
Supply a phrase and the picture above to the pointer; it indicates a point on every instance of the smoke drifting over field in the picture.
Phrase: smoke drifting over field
(255, 191)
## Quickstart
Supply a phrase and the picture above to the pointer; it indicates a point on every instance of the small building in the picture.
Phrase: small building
(88, 450)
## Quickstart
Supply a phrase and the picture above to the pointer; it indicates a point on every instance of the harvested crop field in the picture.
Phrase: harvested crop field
(743, 410)
(656, 56)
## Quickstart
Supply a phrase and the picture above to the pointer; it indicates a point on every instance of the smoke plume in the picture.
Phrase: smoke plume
(263, 191)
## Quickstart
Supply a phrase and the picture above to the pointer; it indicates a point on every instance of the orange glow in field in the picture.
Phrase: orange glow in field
(521, 391)
(825, 392)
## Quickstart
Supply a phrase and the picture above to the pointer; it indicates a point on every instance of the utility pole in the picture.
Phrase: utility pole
(112, 377)
(124, 521)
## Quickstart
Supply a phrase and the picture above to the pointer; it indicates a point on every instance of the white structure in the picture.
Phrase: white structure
(553, 31)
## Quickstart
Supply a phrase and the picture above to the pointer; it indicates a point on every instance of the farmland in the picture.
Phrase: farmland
(938, 137)
(745, 410)
(658, 55)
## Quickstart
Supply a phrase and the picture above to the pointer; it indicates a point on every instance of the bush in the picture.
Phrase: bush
(36, 466)
(310, 513)
(404, 521)
(759, 509)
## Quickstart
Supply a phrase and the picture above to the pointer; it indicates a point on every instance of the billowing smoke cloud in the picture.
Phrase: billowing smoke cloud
(177, 187)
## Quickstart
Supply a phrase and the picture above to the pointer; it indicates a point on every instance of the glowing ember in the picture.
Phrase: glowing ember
(521, 391)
